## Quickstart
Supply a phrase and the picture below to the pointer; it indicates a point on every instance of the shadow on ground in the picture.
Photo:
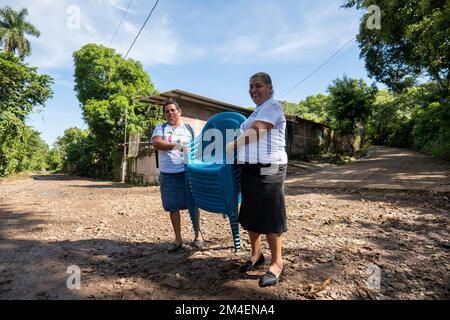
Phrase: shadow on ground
(36, 268)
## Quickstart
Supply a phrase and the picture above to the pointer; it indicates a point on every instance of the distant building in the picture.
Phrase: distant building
(303, 136)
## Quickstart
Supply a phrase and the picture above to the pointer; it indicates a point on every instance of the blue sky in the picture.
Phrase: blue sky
(207, 47)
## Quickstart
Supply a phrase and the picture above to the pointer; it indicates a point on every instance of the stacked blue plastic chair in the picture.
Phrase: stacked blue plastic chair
(213, 183)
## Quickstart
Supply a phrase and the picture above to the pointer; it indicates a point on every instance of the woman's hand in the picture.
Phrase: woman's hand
(185, 147)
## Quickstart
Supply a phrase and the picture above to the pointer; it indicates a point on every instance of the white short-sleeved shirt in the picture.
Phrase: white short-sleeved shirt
(172, 161)
(271, 148)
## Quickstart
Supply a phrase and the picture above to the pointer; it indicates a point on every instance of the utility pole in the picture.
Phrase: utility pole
(124, 159)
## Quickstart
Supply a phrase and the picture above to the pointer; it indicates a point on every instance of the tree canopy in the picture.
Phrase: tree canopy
(312, 108)
(21, 89)
(107, 87)
(413, 42)
(350, 102)
(77, 150)
(33, 151)
(416, 118)
(101, 73)
(13, 28)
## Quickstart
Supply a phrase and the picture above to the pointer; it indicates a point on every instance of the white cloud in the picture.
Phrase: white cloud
(157, 44)
(117, 4)
(243, 45)
(254, 31)
(62, 32)
(318, 29)
(130, 28)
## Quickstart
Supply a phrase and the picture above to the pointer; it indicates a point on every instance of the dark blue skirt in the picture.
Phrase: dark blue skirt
(263, 207)
(173, 191)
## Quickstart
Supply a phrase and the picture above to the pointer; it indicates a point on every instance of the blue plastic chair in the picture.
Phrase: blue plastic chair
(213, 184)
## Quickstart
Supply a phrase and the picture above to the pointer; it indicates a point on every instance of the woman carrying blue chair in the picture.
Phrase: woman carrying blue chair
(263, 163)
(169, 139)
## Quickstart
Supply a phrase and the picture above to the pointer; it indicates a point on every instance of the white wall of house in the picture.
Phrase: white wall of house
(145, 166)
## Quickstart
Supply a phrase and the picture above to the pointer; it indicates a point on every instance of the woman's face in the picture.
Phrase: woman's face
(259, 91)
(172, 114)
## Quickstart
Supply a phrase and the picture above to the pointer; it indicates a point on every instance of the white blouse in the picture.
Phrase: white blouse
(270, 148)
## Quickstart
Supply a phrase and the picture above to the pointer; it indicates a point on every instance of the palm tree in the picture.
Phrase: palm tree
(12, 29)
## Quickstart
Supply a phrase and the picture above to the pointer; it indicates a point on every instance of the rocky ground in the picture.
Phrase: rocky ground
(341, 244)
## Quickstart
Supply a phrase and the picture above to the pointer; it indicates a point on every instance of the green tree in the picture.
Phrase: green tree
(107, 87)
(13, 28)
(78, 152)
(312, 108)
(54, 160)
(416, 118)
(379, 123)
(71, 136)
(33, 151)
(101, 73)
(392, 119)
(350, 103)
(289, 107)
(21, 89)
(413, 41)
(430, 131)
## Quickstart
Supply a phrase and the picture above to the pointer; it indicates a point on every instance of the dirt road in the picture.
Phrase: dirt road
(383, 168)
(342, 243)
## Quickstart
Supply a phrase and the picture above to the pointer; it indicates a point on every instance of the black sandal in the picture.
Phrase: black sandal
(270, 279)
(248, 266)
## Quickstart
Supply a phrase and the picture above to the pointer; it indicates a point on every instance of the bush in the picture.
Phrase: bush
(54, 160)
(441, 148)
(431, 133)
(417, 118)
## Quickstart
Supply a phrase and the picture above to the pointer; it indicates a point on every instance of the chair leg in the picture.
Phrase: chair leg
(193, 211)
(235, 231)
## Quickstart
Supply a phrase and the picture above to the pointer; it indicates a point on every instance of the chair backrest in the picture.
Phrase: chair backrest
(219, 123)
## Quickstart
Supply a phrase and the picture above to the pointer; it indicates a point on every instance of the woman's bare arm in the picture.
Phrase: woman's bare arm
(161, 145)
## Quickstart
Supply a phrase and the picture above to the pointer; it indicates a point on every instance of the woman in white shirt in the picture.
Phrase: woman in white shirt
(263, 162)
(168, 139)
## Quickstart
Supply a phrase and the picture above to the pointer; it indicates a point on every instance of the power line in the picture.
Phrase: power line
(118, 27)
(137, 36)
(318, 68)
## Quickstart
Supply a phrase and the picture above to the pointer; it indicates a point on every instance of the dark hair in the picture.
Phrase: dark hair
(171, 101)
(265, 78)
